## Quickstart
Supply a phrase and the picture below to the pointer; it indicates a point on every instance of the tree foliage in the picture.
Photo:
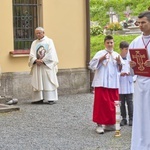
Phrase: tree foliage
(99, 9)
(97, 42)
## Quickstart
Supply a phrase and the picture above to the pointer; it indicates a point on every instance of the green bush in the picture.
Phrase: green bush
(99, 9)
(114, 26)
(96, 30)
(97, 42)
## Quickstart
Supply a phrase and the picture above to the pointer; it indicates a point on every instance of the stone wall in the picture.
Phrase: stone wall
(71, 81)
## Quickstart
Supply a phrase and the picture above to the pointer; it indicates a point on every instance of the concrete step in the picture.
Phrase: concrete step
(8, 108)
(138, 32)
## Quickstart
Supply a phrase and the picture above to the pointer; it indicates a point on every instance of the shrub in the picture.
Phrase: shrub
(96, 30)
(114, 26)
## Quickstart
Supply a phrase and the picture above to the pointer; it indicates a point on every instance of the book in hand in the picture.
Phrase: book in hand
(140, 56)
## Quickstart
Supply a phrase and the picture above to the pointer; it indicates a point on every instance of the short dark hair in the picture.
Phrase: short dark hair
(108, 37)
(124, 44)
(145, 14)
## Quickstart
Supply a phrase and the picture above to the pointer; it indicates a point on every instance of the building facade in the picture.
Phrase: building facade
(66, 22)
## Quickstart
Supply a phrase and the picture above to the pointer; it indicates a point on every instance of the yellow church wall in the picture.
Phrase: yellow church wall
(64, 22)
(8, 63)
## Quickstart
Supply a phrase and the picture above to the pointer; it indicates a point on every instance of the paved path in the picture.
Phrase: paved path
(66, 125)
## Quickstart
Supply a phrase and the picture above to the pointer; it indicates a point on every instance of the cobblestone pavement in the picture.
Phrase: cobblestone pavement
(66, 125)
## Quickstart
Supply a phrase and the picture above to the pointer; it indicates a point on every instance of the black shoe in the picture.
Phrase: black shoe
(51, 102)
(37, 102)
(130, 122)
(123, 122)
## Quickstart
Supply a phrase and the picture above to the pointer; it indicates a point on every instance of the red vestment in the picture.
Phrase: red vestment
(104, 106)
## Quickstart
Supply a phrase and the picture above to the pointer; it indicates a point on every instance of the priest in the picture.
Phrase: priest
(43, 62)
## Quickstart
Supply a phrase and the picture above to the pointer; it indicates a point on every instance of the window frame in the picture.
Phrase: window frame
(20, 52)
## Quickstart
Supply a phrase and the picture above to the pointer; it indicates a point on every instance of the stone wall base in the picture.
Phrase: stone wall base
(71, 81)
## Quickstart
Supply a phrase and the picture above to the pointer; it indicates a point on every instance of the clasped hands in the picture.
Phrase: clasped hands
(125, 74)
(133, 63)
(106, 57)
(39, 61)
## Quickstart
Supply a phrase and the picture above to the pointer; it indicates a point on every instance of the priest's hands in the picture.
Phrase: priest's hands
(39, 62)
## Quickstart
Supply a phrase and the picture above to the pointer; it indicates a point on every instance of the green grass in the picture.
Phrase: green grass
(97, 42)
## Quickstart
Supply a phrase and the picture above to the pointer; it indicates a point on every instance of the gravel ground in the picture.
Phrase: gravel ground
(66, 125)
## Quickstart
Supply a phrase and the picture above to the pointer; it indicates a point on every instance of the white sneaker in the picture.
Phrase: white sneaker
(109, 127)
(99, 129)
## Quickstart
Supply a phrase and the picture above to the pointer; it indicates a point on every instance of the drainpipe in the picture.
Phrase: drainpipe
(87, 32)
(88, 40)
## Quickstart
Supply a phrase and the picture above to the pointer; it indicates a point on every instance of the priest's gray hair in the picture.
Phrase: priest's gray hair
(40, 28)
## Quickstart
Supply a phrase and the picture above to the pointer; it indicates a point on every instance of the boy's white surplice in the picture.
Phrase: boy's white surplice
(106, 71)
(44, 77)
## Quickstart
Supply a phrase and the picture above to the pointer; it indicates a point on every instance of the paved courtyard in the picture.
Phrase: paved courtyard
(66, 125)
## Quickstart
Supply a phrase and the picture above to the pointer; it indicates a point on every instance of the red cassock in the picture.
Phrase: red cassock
(104, 105)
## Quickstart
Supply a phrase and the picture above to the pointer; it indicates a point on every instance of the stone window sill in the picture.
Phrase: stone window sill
(19, 53)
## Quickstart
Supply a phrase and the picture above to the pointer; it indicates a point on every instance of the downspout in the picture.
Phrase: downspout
(87, 32)
(88, 40)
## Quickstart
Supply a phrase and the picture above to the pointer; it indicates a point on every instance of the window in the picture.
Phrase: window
(25, 19)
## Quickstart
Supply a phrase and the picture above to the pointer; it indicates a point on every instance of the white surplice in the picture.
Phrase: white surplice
(141, 102)
(44, 77)
(126, 82)
(106, 72)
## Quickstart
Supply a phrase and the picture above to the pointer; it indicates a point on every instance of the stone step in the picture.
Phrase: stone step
(138, 32)
(8, 108)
